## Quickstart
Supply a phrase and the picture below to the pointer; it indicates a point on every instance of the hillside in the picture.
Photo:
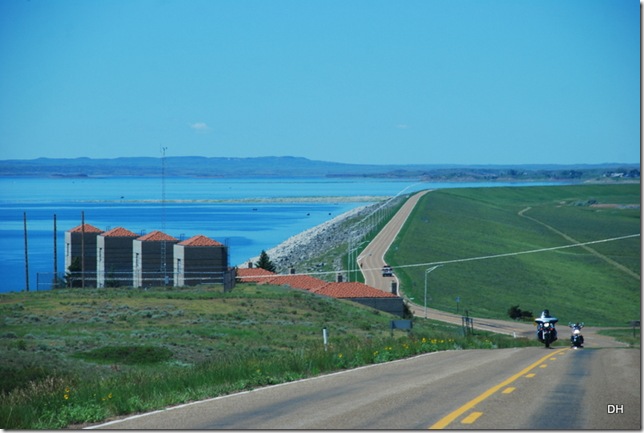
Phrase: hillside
(287, 166)
(598, 284)
(76, 356)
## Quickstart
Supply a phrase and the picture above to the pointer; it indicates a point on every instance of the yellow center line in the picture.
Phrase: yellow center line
(508, 390)
(471, 418)
(448, 419)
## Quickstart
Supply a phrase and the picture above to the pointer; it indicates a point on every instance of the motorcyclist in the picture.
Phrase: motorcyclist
(541, 321)
(576, 339)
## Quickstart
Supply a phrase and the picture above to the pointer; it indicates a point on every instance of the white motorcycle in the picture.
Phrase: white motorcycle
(576, 339)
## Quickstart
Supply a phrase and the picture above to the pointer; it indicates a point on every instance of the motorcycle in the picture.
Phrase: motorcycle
(576, 339)
(546, 331)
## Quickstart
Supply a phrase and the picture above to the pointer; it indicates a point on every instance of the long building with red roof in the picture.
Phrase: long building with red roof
(352, 291)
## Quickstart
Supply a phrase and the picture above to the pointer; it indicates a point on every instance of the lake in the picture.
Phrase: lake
(248, 215)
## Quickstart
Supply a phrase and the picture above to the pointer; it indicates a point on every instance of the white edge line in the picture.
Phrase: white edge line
(220, 397)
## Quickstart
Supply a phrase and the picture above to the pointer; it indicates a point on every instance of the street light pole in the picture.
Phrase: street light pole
(427, 271)
(353, 267)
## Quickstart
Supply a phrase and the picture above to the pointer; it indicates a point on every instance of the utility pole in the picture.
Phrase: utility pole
(26, 253)
(83, 249)
(427, 271)
(163, 217)
(55, 282)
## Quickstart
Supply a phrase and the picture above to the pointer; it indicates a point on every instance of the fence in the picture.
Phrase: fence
(49, 280)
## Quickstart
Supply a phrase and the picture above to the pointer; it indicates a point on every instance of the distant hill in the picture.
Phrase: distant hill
(288, 166)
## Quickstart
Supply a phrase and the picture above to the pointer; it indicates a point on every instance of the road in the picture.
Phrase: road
(523, 388)
(528, 388)
(371, 259)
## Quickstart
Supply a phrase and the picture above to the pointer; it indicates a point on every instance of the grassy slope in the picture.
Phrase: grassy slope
(76, 356)
(573, 283)
(197, 324)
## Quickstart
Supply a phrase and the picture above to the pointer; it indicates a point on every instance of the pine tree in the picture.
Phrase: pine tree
(73, 271)
(264, 262)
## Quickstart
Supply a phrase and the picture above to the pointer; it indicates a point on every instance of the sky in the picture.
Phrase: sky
(356, 81)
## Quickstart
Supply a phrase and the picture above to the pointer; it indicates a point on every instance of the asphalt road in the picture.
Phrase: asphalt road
(371, 259)
(529, 388)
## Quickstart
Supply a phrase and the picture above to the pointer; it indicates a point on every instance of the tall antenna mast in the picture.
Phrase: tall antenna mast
(163, 216)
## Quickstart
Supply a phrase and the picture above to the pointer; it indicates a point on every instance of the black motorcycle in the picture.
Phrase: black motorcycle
(546, 331)
(576, 339)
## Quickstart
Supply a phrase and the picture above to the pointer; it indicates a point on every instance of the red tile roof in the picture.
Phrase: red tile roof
(352, 290)
(119, 232)
(200, 241)
(88, 229)
(312, 284)
(305, 282)
(254, 275)
(156, 236)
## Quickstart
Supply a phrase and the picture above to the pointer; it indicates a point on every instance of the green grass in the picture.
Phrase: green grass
(630, 336)
(573, 283)
(74, 356)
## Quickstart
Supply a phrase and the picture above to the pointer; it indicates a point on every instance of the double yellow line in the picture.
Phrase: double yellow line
(447, 420)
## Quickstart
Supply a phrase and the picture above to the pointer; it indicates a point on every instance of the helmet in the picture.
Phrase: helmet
(545, 313)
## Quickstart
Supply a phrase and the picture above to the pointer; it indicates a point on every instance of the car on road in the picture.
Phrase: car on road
(387, 271)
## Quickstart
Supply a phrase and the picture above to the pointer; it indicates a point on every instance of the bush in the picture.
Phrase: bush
(517, 313)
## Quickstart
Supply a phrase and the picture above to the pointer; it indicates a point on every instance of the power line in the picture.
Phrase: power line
(540, 250)
(470, 259)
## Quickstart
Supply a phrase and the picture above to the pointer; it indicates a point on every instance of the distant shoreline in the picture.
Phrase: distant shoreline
(298, 167)
(257, 200)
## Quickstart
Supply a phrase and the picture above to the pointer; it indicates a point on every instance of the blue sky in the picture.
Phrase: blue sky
(397, 81)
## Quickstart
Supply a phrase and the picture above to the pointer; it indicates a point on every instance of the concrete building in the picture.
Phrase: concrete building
(114, 257)
(152, 260)
(81, 242)
(199, 260)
